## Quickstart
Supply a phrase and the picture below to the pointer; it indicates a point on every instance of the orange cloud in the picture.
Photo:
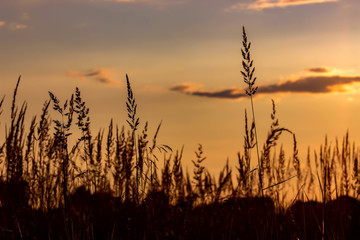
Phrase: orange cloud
(2, 23)
(101, 75)
(263, 4)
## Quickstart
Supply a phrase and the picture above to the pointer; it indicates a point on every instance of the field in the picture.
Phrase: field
(109, 185)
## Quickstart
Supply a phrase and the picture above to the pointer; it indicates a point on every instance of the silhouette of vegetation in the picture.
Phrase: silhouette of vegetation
(110, 185)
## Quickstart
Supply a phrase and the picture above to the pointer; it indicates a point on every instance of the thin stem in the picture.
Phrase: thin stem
(137, 167)
(257, 148)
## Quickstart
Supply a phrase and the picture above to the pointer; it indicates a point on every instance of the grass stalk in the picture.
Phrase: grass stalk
(133, 122)
(251, 90)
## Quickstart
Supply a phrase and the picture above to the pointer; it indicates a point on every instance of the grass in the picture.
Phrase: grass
(108, 184)
(250, 79)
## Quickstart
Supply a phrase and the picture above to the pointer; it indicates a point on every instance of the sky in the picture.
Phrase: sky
(183, 58)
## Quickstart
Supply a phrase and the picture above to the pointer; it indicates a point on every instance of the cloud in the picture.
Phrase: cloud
(101, 75)
(263, 4)
(233, 93)
(27, 2)
(40, 2)
(25, 16)
(13, 26)
(192, 89)
(180, 88)
(319, 70)
(82, 25)
(158, 3)
(311, 84)
(16, 26)
(186, 87)
(123, 0)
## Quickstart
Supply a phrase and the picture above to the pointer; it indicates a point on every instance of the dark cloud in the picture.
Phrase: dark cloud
(92, 73)
(227, 93)
(232, 93)
(318, 70)
(180, 88)
(312, 84)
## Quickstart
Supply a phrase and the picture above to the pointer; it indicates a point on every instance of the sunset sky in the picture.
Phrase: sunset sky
(183, 58)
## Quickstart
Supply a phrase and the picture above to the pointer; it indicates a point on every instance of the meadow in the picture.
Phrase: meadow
(109, 184)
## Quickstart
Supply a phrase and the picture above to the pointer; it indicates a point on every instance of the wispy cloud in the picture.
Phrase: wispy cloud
(31, 1)
(310, 84)
(123, 0)
(16, 26)
(82, 25)
(158, 3)
(25, 16)
(101, 75)
(263, 4)
(154, 2)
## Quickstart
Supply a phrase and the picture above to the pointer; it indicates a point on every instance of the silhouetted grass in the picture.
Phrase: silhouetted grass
(108, 185)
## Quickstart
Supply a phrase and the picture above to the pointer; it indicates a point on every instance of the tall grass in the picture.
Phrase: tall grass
(250, 79)
(108, 185)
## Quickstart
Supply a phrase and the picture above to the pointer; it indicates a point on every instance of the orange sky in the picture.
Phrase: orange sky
(183, 59)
